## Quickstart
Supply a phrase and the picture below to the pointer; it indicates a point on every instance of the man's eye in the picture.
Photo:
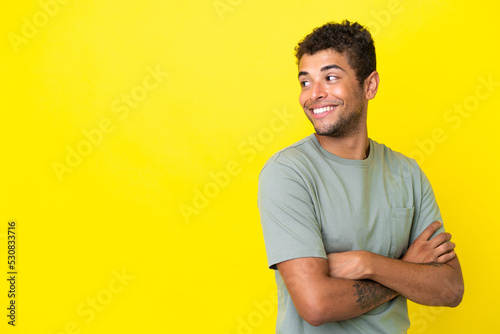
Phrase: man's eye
(330, 77)
(304, 83)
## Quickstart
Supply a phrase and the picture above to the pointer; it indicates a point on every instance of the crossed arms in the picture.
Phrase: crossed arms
(352, 283)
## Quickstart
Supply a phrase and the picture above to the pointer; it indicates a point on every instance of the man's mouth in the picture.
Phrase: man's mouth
(322, 110)
(318, 111)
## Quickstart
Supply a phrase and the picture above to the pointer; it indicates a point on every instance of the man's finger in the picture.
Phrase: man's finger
(429, 230)
(440, 239)
(446, 257)
(445, 248)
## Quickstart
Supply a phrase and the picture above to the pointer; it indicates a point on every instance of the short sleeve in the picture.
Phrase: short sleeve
(427, 210)
(287, 214)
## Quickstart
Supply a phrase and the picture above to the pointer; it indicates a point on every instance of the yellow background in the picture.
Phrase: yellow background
(143, 204)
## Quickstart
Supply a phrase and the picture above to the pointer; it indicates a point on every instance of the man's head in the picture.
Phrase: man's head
(336, 79)
(350, 39)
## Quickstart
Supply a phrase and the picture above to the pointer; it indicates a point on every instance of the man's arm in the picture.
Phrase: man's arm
(320, 298)
(434, 277)
(433, 284)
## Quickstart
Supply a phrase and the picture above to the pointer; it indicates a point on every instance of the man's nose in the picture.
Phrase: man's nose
(318, 91)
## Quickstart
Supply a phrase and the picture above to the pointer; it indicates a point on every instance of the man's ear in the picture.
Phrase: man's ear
(371, 85)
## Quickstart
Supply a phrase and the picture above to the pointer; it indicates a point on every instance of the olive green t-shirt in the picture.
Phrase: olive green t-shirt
(313, 203)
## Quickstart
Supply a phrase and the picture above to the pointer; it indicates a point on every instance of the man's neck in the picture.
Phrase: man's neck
(356, 147)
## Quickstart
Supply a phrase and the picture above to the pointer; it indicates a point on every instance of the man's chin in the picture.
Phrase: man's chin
(331, 135)
(328, 132)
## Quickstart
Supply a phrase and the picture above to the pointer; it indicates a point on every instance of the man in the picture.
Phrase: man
(347, 222)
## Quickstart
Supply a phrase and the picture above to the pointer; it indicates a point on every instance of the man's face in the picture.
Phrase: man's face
(331, 95)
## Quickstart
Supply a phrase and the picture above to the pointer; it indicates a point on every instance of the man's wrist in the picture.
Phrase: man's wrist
(371, 262)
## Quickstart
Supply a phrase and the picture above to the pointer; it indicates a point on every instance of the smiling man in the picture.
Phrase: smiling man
(352, 228)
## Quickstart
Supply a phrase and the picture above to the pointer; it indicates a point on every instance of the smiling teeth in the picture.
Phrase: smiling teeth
(318, 111)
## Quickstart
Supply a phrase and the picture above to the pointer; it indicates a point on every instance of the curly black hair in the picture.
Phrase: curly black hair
(351, 39)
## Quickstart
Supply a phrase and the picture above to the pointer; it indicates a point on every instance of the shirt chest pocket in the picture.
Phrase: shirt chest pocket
(400, 224)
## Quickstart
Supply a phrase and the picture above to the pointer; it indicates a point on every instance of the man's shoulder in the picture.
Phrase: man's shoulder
(291, 161)
(300, 150)
(395, 159)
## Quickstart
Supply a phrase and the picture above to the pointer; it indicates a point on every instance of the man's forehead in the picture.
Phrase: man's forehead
(322, 59)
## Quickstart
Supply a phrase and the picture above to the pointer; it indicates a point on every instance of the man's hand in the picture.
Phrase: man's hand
(348, 265)
(436, 250)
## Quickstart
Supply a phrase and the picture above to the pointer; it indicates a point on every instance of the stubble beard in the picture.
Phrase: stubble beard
(347, 124)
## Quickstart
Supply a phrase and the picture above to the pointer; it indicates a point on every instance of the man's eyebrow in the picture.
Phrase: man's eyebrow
(329, 67)
(302, 73)
(324, 68)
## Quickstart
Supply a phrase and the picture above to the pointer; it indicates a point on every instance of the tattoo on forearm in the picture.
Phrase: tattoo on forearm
(371, 294)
